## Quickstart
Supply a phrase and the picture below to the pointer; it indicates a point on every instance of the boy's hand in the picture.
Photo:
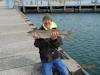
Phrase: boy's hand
(54, 35)
(35, 36)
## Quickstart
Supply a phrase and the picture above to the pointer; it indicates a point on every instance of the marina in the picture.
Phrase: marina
(59, 6)
(18, 56)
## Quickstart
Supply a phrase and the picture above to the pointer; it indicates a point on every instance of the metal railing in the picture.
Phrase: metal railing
(56, 2)
(11, 3)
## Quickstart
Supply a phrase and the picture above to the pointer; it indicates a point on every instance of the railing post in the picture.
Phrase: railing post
(64, 5)
(41, 2)
(80, 8)
(50, 5)
(95, 8)
(23, 7)
(37, 6)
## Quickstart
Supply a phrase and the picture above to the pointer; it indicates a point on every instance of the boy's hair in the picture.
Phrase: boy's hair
(46, 17)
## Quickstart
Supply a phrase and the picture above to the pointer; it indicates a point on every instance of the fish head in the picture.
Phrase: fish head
(32, 31)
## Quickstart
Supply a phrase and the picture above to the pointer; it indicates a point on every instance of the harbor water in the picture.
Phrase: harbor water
(84, 44)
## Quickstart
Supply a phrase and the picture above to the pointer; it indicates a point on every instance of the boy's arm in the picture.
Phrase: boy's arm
(57, 42)
(41, 43)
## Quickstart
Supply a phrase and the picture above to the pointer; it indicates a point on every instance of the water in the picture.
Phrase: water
(84, 45)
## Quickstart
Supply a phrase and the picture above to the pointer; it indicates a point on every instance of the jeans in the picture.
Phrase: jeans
(60, 66)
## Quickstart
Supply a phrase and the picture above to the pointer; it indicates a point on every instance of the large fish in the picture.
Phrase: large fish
(47, 33)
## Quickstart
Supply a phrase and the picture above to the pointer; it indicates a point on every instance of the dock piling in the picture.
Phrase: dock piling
(23, 7)
(64, 6)
(80, 8)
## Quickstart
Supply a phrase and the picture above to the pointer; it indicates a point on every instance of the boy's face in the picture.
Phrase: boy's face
(47, 22)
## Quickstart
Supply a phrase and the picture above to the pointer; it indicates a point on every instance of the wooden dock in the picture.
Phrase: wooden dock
(56, 6)
(16, 48)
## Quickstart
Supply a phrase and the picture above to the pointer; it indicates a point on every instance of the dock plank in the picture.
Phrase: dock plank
(16, 47)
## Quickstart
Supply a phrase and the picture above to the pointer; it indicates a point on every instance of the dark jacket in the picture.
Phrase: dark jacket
(48, 47)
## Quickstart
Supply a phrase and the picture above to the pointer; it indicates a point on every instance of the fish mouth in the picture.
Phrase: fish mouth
(32, 30)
